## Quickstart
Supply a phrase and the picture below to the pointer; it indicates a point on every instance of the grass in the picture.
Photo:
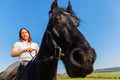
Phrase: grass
(105, 75)
(94, 76)
(86, 79)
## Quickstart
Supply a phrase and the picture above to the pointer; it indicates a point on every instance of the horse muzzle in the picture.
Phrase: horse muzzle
(81, 62)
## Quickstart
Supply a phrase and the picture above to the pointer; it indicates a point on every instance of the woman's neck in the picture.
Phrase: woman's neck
(27, 42)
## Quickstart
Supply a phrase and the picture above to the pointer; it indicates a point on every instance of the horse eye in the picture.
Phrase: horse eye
(75, 22)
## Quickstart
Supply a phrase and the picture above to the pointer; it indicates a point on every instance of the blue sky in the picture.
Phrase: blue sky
(100, 24)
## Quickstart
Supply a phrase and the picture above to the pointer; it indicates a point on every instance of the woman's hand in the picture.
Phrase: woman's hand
(29, 50)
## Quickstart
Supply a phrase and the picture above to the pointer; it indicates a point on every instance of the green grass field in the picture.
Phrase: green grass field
(94, 76)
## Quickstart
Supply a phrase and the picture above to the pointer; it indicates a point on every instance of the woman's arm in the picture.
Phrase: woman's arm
(16, 52)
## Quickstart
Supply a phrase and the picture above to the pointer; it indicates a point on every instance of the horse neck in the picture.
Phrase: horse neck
(47, 70)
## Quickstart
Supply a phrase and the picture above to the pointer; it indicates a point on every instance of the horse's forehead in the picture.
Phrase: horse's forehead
(63, 18)
(68, 18)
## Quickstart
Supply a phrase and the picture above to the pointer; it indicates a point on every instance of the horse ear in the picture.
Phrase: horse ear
(69, 8)
(54, 4)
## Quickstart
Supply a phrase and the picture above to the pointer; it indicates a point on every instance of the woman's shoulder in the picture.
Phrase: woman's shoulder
(18, 43)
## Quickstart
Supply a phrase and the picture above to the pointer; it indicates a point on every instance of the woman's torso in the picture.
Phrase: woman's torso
(26, 55)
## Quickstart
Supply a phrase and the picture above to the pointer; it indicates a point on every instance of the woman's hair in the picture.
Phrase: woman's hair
(20, 37)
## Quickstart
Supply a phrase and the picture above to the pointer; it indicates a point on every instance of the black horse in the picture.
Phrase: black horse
(61, 40)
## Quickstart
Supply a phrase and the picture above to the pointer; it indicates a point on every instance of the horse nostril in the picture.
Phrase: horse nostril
(78, 57)
(88, 61)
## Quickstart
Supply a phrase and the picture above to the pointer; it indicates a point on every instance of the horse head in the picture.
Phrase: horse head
(79, 56)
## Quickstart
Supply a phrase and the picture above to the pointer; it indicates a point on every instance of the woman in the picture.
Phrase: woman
(25, 50)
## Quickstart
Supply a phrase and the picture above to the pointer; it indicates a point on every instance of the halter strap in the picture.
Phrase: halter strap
(58, 50)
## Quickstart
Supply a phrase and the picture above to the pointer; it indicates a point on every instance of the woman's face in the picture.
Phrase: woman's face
(24, 35)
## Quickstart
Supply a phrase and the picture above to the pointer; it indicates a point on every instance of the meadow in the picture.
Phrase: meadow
(94, 76)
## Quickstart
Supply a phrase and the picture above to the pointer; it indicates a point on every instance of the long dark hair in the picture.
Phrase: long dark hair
(20, 37)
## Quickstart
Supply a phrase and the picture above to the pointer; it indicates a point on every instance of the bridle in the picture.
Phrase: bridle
(57, 50)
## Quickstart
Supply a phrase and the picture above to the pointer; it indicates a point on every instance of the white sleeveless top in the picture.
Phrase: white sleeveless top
(26, 55)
